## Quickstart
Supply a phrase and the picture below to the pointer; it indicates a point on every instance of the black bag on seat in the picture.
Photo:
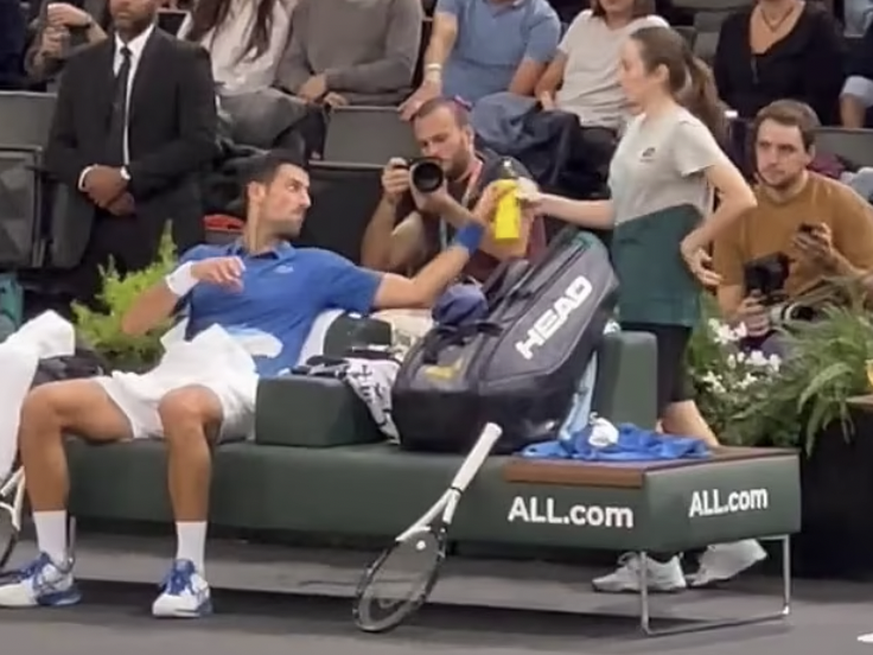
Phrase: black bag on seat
(520, 367)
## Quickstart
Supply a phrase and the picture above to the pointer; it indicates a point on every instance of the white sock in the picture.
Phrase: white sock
(191, 542)
(51, 534)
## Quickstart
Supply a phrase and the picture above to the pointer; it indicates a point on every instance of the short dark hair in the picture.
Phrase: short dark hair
(459, 111)
(790, 113)
(263, 168)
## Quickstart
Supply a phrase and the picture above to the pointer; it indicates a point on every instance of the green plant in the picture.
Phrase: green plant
(788, 401)
(727, 380)
(824, 367)
(102, 330)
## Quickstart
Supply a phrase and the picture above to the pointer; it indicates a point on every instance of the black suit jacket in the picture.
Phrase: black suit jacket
(172, 124)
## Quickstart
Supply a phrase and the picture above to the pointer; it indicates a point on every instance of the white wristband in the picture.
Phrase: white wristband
(182, 280)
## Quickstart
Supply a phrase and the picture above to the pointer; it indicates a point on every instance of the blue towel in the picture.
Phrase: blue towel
(634, 445)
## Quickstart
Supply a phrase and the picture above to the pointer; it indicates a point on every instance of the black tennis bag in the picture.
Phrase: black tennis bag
(518, 368)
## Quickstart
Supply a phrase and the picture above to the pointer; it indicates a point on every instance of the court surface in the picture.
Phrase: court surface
(827, 616)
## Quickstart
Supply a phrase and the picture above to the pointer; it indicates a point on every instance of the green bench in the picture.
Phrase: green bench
(317, 465)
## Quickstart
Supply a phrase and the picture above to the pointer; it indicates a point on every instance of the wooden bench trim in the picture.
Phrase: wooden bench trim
(621, 476)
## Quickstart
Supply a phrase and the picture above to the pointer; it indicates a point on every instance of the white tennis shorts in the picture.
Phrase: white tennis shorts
(138, 397)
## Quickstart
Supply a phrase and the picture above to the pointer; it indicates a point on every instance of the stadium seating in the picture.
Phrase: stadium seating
(368, 135)
(854, 145)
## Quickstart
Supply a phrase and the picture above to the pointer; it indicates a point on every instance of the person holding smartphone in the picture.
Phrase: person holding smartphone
(822, 227)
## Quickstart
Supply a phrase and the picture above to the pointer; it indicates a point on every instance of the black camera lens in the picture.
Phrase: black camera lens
(426, 175)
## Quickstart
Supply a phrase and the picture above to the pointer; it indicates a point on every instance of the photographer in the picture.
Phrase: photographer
(805, 229)
(403, 235)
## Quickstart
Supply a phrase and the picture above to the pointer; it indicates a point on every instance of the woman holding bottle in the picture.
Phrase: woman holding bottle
(663, 177)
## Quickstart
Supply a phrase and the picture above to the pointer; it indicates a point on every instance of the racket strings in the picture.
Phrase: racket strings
(401, 580)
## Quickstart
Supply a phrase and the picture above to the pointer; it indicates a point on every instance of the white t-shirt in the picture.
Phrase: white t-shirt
(590, 88)
(659, 163)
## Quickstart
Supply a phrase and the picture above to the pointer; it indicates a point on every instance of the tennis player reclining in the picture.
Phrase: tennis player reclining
(261, 289)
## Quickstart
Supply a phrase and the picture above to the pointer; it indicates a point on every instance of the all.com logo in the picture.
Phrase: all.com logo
(531, 509)
(713, 502)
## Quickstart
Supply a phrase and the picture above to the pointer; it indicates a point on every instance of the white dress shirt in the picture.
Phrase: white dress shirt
(136, 46)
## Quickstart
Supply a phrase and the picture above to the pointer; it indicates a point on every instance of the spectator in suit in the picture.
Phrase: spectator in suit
(134, 126)
(12, 35)
(779, 49)
(246, 41)
(351, 52)
(480, 47)
(61, 30)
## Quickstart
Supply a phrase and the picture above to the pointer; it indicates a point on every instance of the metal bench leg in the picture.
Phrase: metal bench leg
(697, 626)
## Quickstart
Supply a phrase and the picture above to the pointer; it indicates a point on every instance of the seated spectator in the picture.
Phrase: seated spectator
(583, 76)
(824, 228)
(857, 15)
(347, 52)
(856, 98)
(442, 128)
(246, 41)
(129, 162)
(256, 299)
(779, 49)
(12, 37)
(63, 29)
(480, 47)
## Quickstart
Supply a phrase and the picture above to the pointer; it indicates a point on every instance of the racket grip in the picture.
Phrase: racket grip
(482, 448)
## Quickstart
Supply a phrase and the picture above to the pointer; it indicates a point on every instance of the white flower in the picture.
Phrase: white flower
(774, 362)
(740, 331)
(758, 359)
(741, 357)
(731, 361)
(714, 382)
(746, 381)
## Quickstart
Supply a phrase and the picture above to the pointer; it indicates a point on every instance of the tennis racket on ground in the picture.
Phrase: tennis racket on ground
(11, 506)
(401, 579)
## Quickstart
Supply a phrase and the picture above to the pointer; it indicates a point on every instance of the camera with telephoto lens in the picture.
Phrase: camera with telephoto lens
(426, 175)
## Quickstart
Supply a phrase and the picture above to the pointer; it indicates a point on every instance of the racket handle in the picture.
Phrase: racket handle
(482, 448)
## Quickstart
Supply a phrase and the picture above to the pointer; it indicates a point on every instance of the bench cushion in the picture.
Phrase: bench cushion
(309, 411)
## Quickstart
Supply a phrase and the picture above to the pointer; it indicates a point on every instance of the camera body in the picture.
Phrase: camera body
(766, 277)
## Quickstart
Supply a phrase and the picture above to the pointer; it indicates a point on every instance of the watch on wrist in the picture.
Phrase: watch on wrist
(125, 174)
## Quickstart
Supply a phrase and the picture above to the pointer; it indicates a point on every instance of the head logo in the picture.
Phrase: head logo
(554, 318)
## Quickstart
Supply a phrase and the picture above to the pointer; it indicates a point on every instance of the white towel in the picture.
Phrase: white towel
(372, 380)
(47, 335)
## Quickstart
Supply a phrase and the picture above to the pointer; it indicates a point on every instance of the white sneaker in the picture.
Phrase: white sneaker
(664, 577)
(724, 561)
(41, 583)
(184, 594)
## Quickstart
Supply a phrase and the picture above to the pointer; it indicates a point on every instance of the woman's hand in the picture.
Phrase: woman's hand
(700, 264)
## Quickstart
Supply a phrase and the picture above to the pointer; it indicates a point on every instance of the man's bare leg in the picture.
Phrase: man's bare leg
(80, 407)
(191, 418)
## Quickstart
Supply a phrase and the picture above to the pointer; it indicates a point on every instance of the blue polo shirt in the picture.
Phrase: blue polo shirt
(493, 39)
(283, 291)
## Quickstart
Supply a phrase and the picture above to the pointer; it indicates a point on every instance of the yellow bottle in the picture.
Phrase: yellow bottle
(507, 218)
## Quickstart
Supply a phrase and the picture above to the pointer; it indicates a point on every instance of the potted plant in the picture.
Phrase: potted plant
(102, 329)
(803, 400)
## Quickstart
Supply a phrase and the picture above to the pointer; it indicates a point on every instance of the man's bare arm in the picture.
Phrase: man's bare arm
(388, 248)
